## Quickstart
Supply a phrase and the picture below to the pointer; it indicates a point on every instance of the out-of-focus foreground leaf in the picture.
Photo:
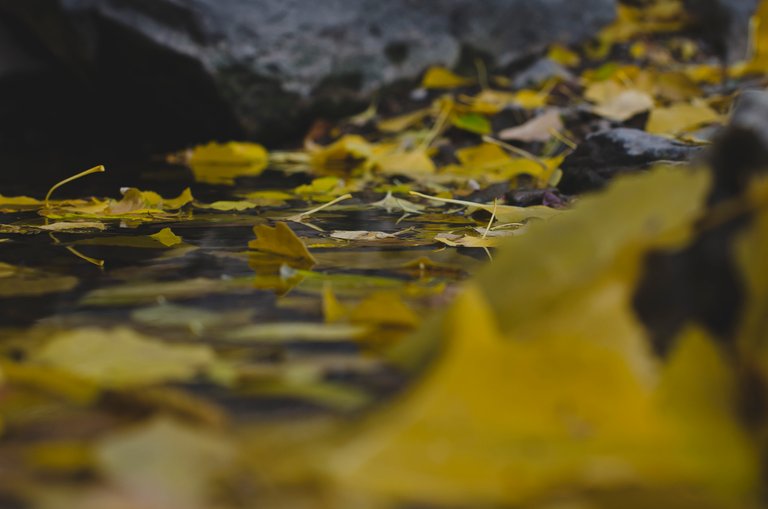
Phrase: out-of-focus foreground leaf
(546, 383)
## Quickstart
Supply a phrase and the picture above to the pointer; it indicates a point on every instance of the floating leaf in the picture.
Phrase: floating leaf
(280, 240)
(166, 237)
(384, 308)
(217, 163)
(162, 463)
(122, 357)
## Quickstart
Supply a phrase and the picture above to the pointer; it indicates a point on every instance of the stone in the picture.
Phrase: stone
(725, 24)
(605, 154)
(257, 68)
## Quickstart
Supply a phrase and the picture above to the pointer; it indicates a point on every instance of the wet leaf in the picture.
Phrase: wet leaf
(122, 358)
(163, 463)
(280, 240)
(166, 237)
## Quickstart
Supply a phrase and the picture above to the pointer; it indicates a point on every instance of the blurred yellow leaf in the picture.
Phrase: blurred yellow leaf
(280, 240)
(121, 357)
(221, 163)
(405, 163)
(440, 77)
(538, 128)
(624, 105)
(563, 55)
(384, 308)
(162, 463)
(166, 237)
(490, 424)
(680, 118)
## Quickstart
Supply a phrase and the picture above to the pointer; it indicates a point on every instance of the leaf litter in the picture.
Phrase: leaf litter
(148, 338)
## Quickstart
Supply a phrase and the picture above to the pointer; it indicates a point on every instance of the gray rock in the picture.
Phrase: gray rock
(605, 154)
(725, 24)
(261, 64)
(540, 71)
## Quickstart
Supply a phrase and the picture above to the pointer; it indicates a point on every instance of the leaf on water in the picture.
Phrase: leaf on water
(459, 240)
(680, 118)
(162, 463)
(333, 310)
(217, 163)
(229, 206)
(25, 282)
(440, 77)
(348, 153)
(166, 237)
(123, 358)
(280, 240)
(18, 203)
(285, 332)
(148, 292)
(504, 213)
(624, 105)
(391, 203)
(362, 235)
(537, 129)
(72, 226)
(384, 308)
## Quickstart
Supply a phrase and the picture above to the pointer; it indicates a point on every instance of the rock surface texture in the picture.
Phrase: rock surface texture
(223, 68)
(608, 153)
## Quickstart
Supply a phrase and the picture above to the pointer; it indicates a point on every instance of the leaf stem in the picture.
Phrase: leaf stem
(96, 169)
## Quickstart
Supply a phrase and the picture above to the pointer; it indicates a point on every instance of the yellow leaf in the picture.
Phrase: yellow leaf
(280, 240)
(402, 122)
(563, 55)
(539, 128)
(166, 464)
(405, 163)
(122, 357)
(680, 118)
(333, 310)
(530, 99)
(440, 77)
(384, 308)
(222, 163)
(229, 154)
(758, 61)
(342, 156)
(625, 105)
(227, 206)
(166, 237)
(457, 240)
(490, 424)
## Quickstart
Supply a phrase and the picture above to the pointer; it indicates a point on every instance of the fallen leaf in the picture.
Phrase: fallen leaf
(440, 77)
(280, 240)
(123, 358)
(680, 118)
(625, 105)
(537, 129)
(166, 237)
(163, 463)
(384, 308)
